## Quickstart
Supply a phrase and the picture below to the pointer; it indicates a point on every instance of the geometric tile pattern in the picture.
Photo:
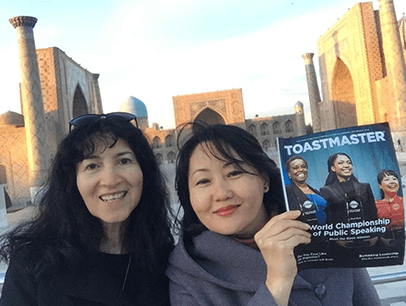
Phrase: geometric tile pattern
(362, 64)
(313, 89)
(394, 58)
(13, 156)
(48, 82)
(227, 103)
(33, 110)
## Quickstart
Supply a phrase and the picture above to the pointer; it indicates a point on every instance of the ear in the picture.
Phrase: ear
(265, 179)
(333, 168)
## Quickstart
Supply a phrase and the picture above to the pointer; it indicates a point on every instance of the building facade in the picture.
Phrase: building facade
(362, 71)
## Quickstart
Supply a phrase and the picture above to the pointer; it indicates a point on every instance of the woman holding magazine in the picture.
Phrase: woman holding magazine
(236, 245)
(301, 195)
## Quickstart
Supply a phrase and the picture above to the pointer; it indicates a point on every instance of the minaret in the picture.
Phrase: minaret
(313, 89)
(395, 63)
(31, 96)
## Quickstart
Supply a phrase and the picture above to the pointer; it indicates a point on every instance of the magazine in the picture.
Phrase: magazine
(347, 184)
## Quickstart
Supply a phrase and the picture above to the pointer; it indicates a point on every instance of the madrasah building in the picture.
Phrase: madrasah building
(360, 83)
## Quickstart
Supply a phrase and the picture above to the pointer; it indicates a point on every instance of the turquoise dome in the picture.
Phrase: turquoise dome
(134, 106)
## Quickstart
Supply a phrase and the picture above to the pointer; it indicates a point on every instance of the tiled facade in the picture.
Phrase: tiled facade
(226, 107)
(53, 90)
(362, 70)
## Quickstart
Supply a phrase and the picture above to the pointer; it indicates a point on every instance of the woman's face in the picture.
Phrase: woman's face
(225, 199)
(110, 182)
(342, 167)
(298, 171)
(389, 184)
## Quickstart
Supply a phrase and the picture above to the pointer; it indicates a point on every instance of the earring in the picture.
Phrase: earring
(266, 188)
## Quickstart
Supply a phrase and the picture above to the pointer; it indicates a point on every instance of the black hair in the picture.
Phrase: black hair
(382, 174)
(290, 160)
(226, 140)
(64, 232)
(332, 176)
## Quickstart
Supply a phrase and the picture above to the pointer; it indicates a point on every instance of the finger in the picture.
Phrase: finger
(282, 236)
(274, 227)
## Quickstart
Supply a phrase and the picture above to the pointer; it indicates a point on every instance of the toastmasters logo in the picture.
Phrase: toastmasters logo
(336, 141)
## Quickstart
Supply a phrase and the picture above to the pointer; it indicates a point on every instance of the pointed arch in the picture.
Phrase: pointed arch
(264, 129)
(171, 157)
(210, 116)
(159, 158)
(156, 143)
(276, 127)
(266, 144)
(169, 141)
(252, 129)
(289, 126)
(79, 105)
(343, 97)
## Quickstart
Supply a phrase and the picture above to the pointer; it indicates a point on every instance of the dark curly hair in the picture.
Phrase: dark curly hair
(64, 232)
(226, 140)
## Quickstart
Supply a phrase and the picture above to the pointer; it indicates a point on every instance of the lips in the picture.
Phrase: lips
(226, 210)
(113, 196)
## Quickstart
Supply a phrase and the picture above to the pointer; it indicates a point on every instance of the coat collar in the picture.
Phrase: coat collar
(224, 261)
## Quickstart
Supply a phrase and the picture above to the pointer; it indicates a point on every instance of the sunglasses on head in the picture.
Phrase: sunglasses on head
(117, 116)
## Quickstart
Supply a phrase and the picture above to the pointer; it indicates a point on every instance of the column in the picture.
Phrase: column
(32, 104)
(313, 89)
(395, 63)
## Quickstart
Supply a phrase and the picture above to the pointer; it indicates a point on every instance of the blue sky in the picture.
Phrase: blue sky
(156, 49)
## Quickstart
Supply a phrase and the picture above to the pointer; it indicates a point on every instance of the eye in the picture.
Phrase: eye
(203, 181)
(125, 161)
(234, 173)
(91, 166)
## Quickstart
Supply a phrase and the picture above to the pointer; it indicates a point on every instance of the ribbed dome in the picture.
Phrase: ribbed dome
(298, 103)
(12, 118)
(134, 106)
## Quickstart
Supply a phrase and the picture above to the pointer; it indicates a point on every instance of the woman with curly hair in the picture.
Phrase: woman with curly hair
(102, 233)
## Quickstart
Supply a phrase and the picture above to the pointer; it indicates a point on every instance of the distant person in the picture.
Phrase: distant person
(391, 207)
(301, 195)
(102, 234)
(237, 242)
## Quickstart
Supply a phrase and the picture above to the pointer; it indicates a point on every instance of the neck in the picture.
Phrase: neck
(390, 195)
(112, 242)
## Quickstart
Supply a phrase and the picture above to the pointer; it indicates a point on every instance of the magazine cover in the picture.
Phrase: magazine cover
(347, 184)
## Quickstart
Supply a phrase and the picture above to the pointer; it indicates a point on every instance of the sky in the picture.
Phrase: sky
(156, 49)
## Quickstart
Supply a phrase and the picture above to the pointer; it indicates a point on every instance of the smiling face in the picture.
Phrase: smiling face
(110, 182)
(298, 171)
(389, 184)
(342, 167)
(226, 199)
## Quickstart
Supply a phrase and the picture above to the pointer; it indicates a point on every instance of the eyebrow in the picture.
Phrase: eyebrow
(199, 170)
(93, 156)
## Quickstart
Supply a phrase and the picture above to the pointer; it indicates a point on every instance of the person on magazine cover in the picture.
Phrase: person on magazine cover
(301, 195)
(102, 235)
(391, 207)
(348, 200)
(236, 245)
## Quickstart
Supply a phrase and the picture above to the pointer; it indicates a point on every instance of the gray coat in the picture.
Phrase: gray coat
(217, 270)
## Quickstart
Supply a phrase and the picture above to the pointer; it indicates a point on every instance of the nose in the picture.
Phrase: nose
(110, 177)
(222, 191)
